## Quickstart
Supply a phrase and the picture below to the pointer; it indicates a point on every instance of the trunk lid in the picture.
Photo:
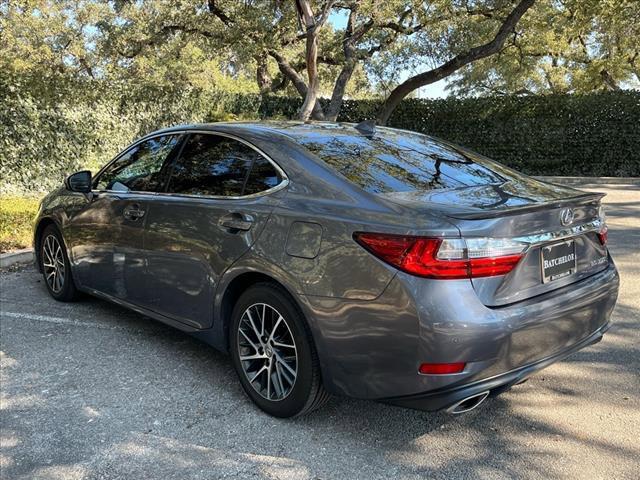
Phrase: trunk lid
(530, 211)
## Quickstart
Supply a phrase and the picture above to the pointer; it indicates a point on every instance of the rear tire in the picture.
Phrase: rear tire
(273, 353)
(55, 266)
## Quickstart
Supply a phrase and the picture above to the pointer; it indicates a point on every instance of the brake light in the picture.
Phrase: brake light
(603, 235)
(444, 258)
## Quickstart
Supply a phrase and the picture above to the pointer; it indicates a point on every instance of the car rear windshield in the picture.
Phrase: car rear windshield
(391, 161)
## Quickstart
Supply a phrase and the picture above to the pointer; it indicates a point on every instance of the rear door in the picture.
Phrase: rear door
(107, 233)
(217, 201)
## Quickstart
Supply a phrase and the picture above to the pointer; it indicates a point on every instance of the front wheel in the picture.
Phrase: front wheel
(55, 266)
(273, 353)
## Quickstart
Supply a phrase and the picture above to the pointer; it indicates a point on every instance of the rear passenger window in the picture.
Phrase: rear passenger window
(263, 176)
(219, 166)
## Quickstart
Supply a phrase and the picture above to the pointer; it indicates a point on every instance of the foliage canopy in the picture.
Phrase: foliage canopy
(364, 48)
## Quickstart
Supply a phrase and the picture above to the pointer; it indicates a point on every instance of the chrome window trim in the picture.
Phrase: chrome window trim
(283, 183)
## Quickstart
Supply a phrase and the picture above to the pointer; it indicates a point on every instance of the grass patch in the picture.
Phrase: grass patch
(16, 219)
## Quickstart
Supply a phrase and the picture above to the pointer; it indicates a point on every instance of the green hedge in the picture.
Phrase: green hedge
(574, 135)
(40, 143)
(593, 135)
(586, 135)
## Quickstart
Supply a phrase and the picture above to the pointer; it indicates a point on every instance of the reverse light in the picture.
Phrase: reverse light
(441, 368)
(444, 258)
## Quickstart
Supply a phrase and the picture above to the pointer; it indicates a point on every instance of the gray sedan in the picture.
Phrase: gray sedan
(338, 259)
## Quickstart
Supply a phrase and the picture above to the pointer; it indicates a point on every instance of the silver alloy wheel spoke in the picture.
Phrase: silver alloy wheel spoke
(275, 327)
(256, 356)
(277, 382)
(279, 377)
(253, 325)
(267, 351)
(53, 263)
(257, 374)
(283, 345)
(253, 345)
(280, 360)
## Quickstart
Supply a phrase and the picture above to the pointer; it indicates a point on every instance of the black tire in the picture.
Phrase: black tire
(306, 393)
(63, 290)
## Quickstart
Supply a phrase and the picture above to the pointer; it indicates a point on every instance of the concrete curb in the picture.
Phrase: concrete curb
(19, 256)
(591, 180)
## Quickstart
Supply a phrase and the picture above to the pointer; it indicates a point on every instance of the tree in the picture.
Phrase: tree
(46, 43)
(454, 64)
(314, 57)
(371, 28)
(311, 26)
(567, 46)
(382, 48)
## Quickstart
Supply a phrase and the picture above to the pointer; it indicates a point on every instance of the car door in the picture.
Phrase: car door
(218, 199)
(107, 233)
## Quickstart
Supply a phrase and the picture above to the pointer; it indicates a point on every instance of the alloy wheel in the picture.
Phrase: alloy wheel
(53, 263)
(267, 351)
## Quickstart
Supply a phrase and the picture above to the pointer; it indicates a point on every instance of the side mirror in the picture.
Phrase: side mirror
(79, 182)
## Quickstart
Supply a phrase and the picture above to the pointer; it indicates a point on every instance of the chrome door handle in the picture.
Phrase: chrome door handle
(236, 221)
(133, 212)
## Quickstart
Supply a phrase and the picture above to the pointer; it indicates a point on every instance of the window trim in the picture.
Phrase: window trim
(283, 183)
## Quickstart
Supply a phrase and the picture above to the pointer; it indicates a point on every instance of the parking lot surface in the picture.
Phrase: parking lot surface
(90, 390)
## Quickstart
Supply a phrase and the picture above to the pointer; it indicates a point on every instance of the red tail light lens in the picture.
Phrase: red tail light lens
(444, 258)
(441, 368)
(603, 235)
(489, 267)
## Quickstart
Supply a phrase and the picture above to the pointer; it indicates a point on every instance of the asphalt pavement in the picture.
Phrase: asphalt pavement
(92, 391)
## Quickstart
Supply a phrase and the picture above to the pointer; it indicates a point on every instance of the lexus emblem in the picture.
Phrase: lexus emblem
(566, 216)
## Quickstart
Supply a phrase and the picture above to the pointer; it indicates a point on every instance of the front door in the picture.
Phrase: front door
(218, 200)
(108, 232)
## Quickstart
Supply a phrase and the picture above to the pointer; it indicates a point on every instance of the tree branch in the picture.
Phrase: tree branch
(456, 63)
(312, 28)
(292, 74)
(217, 11)
(348, 67)
(160, 36)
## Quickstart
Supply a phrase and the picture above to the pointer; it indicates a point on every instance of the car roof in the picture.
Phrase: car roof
(290, 128)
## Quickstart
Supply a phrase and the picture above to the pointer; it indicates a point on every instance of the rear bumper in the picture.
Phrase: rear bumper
(372, 349)
(443, 398)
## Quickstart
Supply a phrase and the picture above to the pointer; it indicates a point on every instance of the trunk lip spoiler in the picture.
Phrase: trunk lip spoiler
(578, 200)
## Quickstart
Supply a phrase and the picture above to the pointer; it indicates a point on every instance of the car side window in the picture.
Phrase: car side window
(263, 176)
(219, 166)
(140, 168)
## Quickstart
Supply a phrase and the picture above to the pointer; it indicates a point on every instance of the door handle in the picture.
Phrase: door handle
(133, 212)
(236, 221)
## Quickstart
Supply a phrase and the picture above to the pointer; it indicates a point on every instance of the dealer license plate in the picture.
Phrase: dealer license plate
(558, 260)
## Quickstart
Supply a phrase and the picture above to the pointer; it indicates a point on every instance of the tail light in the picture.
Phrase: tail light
(444, 258)
(603, 235)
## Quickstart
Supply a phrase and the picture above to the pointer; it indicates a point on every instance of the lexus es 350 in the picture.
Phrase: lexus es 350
(338, 259)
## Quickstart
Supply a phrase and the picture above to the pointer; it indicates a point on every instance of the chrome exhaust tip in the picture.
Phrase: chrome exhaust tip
(468, 404)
